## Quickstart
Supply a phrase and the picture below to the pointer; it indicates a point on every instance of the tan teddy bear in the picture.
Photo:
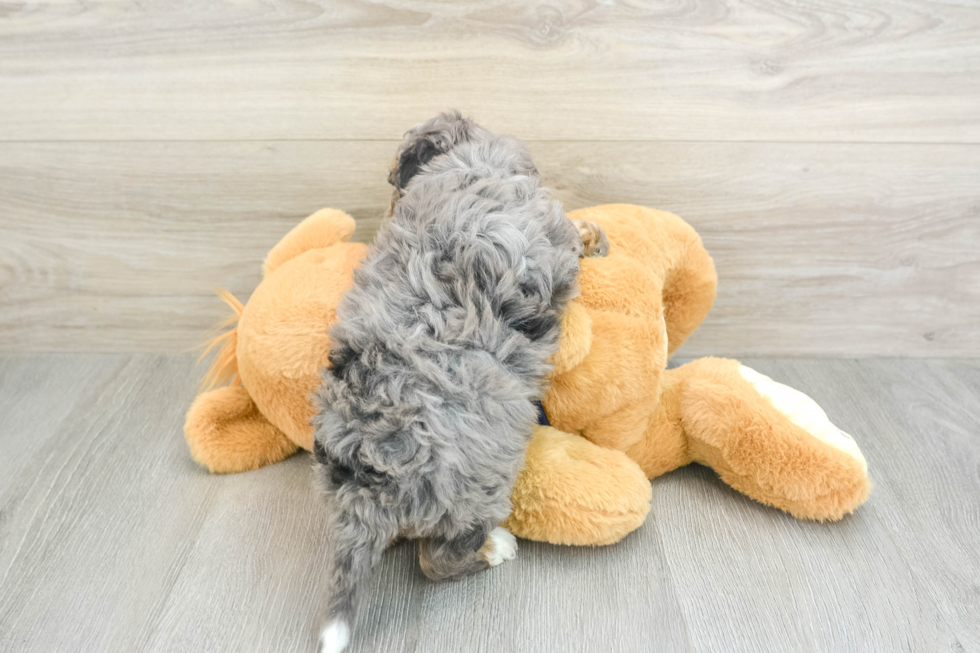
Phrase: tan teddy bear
(619, 416)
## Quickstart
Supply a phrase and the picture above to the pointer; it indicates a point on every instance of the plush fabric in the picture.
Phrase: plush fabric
(618, 416)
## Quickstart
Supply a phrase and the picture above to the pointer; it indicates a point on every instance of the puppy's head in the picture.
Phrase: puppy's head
(423, 143)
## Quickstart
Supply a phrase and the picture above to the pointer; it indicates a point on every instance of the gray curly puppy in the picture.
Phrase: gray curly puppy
(440, 348)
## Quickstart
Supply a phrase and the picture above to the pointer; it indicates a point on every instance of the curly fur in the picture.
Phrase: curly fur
(439, 350)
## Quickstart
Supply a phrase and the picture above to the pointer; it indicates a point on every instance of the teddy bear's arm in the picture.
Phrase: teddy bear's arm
(226, 432)
(573, 492)
(770, 441)
(689, 290)
(324, 228)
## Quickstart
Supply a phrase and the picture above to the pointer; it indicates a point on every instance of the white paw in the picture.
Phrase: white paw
(503, 546)
(334, 637)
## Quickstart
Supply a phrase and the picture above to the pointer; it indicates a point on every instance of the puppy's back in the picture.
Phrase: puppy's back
(438, 351)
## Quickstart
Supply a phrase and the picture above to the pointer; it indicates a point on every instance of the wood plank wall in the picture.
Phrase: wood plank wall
(827, 151)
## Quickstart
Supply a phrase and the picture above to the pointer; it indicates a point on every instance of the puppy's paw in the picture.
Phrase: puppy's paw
(334, 637)
(595, 243)
(500, 546)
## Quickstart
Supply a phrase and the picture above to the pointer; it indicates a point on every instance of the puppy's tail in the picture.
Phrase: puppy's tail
(356, 549)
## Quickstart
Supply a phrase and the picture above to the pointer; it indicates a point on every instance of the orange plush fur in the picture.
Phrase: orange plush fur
(620, 417)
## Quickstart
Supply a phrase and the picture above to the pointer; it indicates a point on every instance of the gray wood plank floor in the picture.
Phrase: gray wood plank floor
(111, 539)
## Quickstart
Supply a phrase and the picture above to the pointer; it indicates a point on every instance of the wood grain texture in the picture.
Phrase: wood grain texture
(821, 249)
(773, 70)
(111, 539)
(882, 569)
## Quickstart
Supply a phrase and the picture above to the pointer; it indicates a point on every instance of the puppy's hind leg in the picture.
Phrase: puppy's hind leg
(443, 559)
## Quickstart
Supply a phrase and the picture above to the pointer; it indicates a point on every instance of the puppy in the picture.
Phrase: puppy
(439, 349)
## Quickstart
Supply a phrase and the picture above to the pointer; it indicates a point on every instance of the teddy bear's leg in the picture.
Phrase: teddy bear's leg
(574, 492)
(324, 228)
(769, 441)
(227, 433)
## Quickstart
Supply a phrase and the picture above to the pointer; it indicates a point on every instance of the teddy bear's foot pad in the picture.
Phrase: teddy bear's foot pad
(804, 412)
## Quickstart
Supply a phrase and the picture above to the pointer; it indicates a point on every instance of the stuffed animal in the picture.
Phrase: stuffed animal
(618, 416)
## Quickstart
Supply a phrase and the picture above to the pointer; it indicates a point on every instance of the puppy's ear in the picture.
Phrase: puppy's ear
(424, 142)
(411, 159)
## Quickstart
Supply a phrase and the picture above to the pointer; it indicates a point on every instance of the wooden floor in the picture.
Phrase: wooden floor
(111, 539)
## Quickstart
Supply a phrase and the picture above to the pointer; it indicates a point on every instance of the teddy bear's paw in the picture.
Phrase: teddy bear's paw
(804, 412)
(500, 546)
